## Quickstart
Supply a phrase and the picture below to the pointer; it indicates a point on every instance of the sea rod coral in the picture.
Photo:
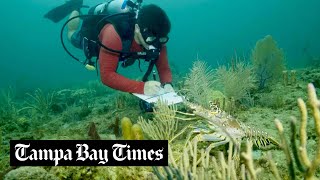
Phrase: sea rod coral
(306, 166)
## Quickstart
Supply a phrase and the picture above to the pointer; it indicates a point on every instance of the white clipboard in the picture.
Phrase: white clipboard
(170, 98)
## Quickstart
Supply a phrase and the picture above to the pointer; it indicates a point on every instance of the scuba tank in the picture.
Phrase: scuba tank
(93, 22)
(112, 7)
(92, 26)
(123, 15)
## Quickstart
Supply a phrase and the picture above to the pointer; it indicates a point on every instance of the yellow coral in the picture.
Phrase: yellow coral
(126, 125)
(307, 166)
(136, 132)
(129, 131)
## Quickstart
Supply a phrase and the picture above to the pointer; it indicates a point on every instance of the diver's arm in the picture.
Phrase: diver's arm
(109, 63)
(163, 67)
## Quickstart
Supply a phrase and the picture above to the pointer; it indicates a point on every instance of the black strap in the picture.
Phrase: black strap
(146, 75)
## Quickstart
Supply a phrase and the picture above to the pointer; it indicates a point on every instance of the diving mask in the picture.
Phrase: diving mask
(151, 39)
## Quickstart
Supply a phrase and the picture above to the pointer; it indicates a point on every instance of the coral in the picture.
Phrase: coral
(136, 132)
(120, 101)
(82, 93)
(63, 97)
(8, 110)
(123, 101)
(196, 163)
(133, 173)
(73, 172)
(79, 112)
(306, 166)
(129, 131)
(115, 126)
(93, 133)
(293, 75)
(40, 103)
(274, 100)
(4, 157)
(289, 77)
(85, 108)
(236, 81)
(126, 125)
(218, 97)
(268, 61)
(101, 172)
(29, 173)
(71, 115)
(164, 125)
(249, 161)
(69, 97)
(312, 75)
(199, 82)
(23, 123)
(285, 77)
(98, 88)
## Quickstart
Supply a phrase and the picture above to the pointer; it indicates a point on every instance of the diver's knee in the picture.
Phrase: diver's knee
(74, 23)
(74, 13)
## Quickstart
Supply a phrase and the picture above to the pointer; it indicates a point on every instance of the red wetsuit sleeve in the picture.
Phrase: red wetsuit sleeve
(108, 62)
(163, 67)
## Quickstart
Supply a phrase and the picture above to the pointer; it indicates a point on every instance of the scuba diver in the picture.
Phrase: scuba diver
(120, 31)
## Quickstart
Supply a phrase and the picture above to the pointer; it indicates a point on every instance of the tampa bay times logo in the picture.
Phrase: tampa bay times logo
(88, 153)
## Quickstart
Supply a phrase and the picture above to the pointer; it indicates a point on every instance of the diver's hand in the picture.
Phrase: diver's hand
(168, 88)
(152, 88)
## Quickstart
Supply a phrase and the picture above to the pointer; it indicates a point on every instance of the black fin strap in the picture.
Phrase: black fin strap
(146, 75)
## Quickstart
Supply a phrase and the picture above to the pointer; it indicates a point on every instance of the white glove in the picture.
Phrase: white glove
(152, 88)
(168, 88)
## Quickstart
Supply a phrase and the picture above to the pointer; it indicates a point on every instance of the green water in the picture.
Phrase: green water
(32, 56)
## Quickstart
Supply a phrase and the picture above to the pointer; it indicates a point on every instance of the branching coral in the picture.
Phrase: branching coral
(164, 125)
(249, 161)
(200, 164)
(199, 82)
(236, 81)
(268, 61)
(40, 102)
(305, 165)
(8, 110)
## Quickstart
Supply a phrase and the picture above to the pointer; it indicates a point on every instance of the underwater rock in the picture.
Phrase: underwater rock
(107, 137)
(27, 173)
(313, 76)
(70, 97)
(57, 108)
